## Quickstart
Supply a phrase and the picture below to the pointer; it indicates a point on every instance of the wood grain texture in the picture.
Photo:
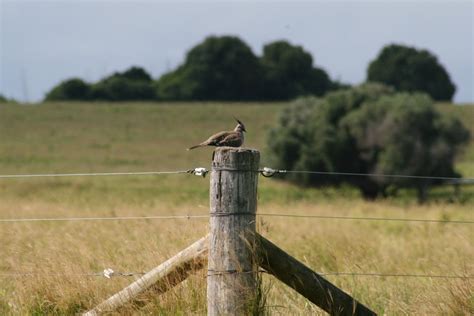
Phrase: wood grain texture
(307, 282)
(232, 268)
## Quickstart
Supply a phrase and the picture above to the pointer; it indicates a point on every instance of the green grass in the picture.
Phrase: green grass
(100, 137)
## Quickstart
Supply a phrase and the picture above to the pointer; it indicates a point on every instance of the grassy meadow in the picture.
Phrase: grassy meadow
(44, 265)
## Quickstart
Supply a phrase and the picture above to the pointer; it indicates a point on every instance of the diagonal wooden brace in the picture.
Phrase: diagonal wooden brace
(163, 277)
(307, 282)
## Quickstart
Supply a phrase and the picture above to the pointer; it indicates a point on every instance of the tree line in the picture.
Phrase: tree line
(224, 68)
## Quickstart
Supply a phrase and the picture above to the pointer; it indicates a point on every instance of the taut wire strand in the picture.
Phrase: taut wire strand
(108, 274)
(196, 171)
(201, 216)
(269, 172)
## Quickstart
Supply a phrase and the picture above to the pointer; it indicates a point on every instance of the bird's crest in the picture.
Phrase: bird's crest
(238, 121)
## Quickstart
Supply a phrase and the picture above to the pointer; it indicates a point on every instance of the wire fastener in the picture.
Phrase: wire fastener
(200, 171)
(269, 172)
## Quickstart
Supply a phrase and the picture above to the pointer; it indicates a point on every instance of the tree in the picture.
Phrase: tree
(177, 85)
(366, 129)
(119, 88)
(137, 74)
(133, 84)
(409, 69)
(133, 73)
(71, 89)
(220, 68)
(289, 72)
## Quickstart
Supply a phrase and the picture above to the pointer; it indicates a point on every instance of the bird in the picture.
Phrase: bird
(233, 138)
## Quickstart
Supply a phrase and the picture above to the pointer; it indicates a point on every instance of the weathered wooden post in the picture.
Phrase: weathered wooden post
(232, 268)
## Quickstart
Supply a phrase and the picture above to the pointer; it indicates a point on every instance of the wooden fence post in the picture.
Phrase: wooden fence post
(232, 268)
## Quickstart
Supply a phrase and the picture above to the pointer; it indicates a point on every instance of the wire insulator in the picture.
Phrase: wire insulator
(200, 171)
(269, 172)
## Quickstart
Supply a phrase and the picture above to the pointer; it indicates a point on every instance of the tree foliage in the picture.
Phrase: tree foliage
(122, 89)
(409, 69)
(367, 129)
(225, 68)
(289, 72)
(133, 84)
(220, 68)
(71, 89)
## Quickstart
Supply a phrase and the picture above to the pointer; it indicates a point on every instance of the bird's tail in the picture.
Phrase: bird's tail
(196, 146)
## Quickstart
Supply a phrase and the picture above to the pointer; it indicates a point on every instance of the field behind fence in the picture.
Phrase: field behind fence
(56, 266)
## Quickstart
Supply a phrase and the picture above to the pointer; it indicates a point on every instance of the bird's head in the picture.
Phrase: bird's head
(240, 126)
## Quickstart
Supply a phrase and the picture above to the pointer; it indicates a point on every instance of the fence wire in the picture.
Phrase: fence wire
(109, 273)
(93, 174)
(265, 171)
(269, 171)
(201, 216)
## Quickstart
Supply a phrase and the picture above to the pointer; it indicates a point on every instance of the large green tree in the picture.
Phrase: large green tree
(132, 84)
(122, 89)
(220, 68)
(71, 89)
(289, 72)
(409, 69)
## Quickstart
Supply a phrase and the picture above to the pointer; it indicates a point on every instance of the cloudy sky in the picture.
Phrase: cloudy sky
(44, 42)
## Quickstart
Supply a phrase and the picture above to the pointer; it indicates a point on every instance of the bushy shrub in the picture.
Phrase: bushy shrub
(409, 69)
(71, 89)
(366, 129)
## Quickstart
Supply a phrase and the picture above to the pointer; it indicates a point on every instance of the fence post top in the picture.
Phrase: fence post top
(236, 150)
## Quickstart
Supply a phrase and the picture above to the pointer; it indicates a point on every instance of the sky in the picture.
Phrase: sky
(45, 42)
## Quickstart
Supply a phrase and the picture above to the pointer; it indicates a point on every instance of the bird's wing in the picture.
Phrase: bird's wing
(217, 138)
(231, 139)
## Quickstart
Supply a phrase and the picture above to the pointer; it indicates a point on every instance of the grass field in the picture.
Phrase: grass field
(75, 138)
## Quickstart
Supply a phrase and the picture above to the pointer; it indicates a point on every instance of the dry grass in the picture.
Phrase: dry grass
(75, 138)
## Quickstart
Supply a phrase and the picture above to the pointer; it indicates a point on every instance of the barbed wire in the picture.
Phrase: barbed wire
(201, 216)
